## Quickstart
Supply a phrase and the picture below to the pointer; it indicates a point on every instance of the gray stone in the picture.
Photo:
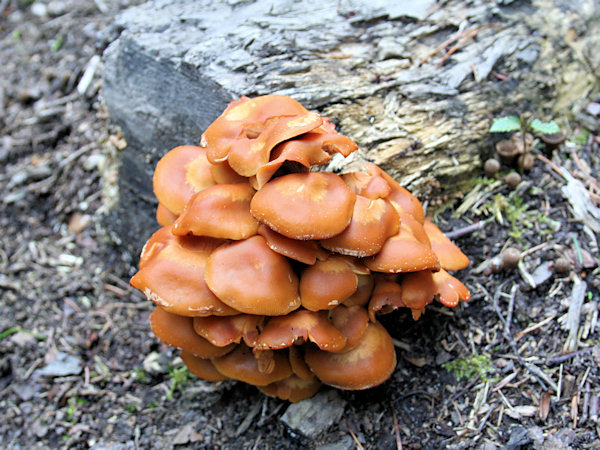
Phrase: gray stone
(315, 415)
(346, 443)
(63, 365)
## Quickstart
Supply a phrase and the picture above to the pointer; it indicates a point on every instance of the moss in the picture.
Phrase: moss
(469, 367)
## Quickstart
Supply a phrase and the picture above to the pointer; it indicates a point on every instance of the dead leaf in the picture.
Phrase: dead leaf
(544, 405)
(187, 434)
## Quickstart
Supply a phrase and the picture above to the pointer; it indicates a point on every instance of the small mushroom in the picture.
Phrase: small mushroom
(450, 256)
(201, 367)
(292, 388)
(373, 222)
(449, 290)
(240, 364)
(306, 252)
(222, 331)
(298, 364)
(179, 174)
(387, 296)
(172, 275)
(352, 322)
(507, 151)
(178, 331)
(368, 364)
(220, 211)
(251, 278)
(418, 290)
(299, 327)
(300, 205)
(326, 284)
(491, 167)
(363, 291)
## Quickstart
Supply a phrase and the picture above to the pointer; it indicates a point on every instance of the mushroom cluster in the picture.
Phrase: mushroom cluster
(273, 274)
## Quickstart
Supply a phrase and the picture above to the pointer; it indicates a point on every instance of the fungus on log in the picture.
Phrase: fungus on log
(268, 272)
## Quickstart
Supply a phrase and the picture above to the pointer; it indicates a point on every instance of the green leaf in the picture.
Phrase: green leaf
(505, 124)
(544, 127)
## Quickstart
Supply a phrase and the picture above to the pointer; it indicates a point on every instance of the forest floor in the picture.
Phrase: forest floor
(516, 367)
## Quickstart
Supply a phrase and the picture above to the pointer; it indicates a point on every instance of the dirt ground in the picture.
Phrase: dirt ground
(516, 367)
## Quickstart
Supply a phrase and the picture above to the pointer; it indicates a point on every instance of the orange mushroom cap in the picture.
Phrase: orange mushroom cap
(247, 131)
(368, 364)
(310, 149)
(172, 275)
(178, 331)
(407, 251)
(369, 183)
(449, 290)
(299, 327)
(450, 256)
(240, 364)
(306, 252)
(250, 277)
(352, 322)
(326, 284)
(222, 173)
(222, 331)
(298, 364)
(203, 368)
(164, 217)
(418, 289)
(373, 222)
(387, 296)
(179, 174)
(305, 206)
(292, 388)
(401, 198)
(363, 291)
(220, 211)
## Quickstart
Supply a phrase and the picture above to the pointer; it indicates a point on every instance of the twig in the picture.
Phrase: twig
(396, 428)
(574, 315)
(356, 441)
(534, 327)
(458, 45)
(566, 357)
(459, 232)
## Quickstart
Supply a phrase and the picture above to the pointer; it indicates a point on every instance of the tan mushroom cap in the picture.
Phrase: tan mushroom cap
(298, 364)
(305, 206)
(326, 284)
(222, 173)
(373, 222)
(179, 174)
(306, 252)
(450, 256)
(172, 275)
(387, 296)
(308, 150)
(220, 211)
(251, 278)
(292, 388)
(449, 290)
(402, 199)
(299, 327)
(164, 217)
(368, 364)
(240, 364)
(369, 183)
(363, 291)
(407, 251)
(352, 321)
(418, 290)
(178, 331)
(201, 367)
(222, 331)
(247, 131)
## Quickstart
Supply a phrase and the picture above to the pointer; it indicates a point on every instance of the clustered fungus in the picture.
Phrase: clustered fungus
(269, 273)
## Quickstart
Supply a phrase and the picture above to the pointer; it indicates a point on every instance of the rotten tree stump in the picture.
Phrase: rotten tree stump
(370, 65)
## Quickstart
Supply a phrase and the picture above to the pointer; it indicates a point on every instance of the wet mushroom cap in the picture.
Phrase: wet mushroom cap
(352, 322)
(172, 275)
(449, 290)
(298, 327)
(222, 331)
(164, 217)
(292, 388)
(305, 206)
(449, 255)
(240, 364)
(178, 331)
(373, 222)
(251, 278)
(387, 297)
(201, 367)
(179, 174)
(418, 289)
(220, 211)
(368, 364)
(306, 252)
(326, 284)
(297, 363)
(363, 291)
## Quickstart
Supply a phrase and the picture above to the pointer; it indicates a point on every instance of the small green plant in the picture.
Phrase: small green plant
(470, 367)
(73, 403)
(178, 376)
(508, 124)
